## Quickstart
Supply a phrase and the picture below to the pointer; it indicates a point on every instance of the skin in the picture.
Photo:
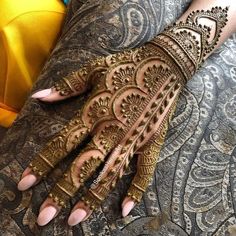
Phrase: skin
(81, 212)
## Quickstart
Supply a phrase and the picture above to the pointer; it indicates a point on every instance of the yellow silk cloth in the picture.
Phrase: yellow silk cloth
(28, 32)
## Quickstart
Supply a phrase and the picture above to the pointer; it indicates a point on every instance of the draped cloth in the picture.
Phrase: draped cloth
(28, 32)
(193, 188)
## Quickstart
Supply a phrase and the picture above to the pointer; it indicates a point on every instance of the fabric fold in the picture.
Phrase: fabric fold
(28, 33)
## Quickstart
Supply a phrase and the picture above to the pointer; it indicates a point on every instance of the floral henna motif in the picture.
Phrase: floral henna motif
(130, 105)
(122, 77)
(109, 136)
(134, 95)
(153, 74)
(99, 109)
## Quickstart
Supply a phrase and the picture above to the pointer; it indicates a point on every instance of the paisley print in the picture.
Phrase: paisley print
(193, 189)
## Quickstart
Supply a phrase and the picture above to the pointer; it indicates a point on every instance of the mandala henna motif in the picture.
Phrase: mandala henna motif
(153, 74)
(136, 91)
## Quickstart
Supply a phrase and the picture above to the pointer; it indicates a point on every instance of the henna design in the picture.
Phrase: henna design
(189, 42)
(182, 54)
(130, 105)
(79, 81)
(99, 109)
(88, 168)
(122, 77)
(64, 189)
(147, 162)
(135, 93)
(146, 165)
(108, 178)
(109, 136)
(153, 74)
(71, 84)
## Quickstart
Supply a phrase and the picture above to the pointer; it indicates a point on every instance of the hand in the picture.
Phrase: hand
(133, 95)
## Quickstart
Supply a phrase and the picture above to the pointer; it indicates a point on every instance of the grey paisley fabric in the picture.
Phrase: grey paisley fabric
(194, 188)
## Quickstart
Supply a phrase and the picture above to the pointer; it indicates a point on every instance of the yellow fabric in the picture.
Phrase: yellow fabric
(28, 32)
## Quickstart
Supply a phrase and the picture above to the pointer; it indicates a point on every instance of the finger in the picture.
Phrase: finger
(74, 84)
(98, 190)
(69, 86)
(81, 169)
(145, 169)
(30, 180)
(112, 171)
(146, 165)
(80, 213)
(57, 149)
(127, 205)
(47, 211)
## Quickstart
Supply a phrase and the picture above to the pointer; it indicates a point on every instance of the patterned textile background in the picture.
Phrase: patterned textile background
(194, 188)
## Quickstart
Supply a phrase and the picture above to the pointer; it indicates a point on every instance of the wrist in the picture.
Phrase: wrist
(189, 43)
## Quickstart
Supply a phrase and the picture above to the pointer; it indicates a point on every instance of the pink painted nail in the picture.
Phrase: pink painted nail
(127, 208)
(76, 217)
(42, 93)
(27, 182)
(46, 215)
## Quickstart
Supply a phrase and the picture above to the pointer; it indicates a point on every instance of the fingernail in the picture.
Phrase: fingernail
(76, 217)
(46, 215)
(27, 182)
(127, 208)
(42, 93)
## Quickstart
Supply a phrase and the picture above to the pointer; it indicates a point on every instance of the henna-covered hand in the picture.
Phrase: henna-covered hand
(133, 95)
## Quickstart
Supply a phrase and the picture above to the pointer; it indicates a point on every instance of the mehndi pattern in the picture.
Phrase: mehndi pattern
(133, 96)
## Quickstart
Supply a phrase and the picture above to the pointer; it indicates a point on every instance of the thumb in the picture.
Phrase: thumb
(69, 86)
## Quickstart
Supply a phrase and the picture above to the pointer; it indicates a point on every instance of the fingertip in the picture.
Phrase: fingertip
(27, 182)
(127, 207)
(48, 95)
(77, 216)
(42, 93)
(53, 97)
(26, 172)
(46, 215)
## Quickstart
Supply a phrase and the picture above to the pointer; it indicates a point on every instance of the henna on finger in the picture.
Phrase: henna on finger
(58, 148)
(80, 81)
(81, 170)
(147, 161)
